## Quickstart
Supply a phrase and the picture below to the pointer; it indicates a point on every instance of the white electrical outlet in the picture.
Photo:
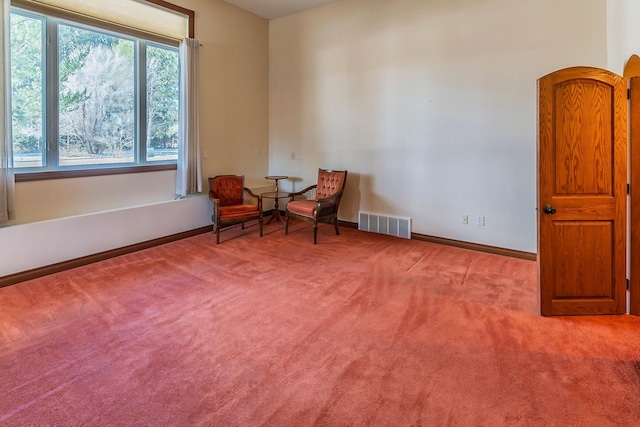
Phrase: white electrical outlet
(480, 221)
(465, 219)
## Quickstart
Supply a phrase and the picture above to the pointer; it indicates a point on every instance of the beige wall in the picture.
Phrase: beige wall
(623, 37)
(234, 81)
(234, 123)
(430, 105)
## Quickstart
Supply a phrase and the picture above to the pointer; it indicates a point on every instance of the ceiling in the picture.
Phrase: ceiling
(271, 9)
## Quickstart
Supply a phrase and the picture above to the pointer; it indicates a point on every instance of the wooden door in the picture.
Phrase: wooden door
(582, 183)
(634, 138)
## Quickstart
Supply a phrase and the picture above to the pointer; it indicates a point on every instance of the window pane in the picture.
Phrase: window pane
(97, 98)
(27, 59)
(162, 103)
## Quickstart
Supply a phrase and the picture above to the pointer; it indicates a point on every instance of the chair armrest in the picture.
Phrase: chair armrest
(253, 198)
(251, 193)
(215, 202)
(311, 196)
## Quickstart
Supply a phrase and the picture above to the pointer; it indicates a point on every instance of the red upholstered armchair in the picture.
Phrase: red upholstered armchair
(233, 203)
(318, 202)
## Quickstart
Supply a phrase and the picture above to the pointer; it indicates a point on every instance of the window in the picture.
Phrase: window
(85, 97)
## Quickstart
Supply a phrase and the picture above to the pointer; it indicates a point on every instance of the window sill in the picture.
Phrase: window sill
(81, 173)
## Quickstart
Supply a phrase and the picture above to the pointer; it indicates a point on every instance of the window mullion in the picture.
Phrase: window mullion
(51, 94)
(141, 101)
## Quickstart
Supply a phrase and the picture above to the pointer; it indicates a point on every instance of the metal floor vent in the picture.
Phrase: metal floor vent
(392, 226)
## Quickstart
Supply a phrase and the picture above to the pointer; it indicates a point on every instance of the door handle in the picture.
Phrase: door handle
(549, 210)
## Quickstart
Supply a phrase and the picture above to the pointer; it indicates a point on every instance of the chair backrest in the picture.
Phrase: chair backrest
(228, 189)
(330, 182)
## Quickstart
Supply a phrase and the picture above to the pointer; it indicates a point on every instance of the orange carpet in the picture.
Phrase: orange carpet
(360, 329)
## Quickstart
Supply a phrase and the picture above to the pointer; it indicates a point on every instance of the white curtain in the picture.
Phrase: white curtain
(189, 176)
(6, 145)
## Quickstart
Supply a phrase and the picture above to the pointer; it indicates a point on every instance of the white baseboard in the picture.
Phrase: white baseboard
(34, 245)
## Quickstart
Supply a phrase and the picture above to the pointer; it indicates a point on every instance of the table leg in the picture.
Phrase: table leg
(276, 213)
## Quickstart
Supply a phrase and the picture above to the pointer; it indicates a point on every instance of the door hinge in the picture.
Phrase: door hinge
(628, 285)
(628, 188)
(628, 93)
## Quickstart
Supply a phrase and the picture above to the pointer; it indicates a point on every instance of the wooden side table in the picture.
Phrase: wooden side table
(276, 195)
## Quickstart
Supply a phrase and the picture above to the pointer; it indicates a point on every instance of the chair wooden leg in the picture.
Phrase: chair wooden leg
(335, 224)
(215, 229)
(260, 222)
(217, 235)
(286, 223)
(315, 232)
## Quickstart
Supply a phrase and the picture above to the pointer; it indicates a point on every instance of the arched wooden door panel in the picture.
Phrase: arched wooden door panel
(634, 138)
(582, 183)
(632, 67)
